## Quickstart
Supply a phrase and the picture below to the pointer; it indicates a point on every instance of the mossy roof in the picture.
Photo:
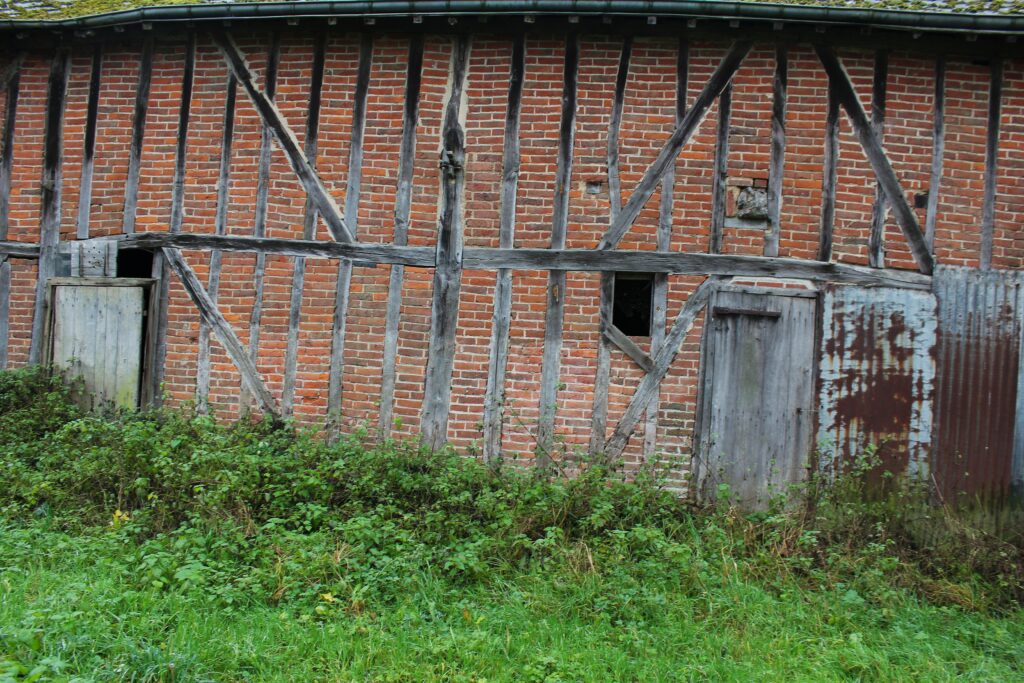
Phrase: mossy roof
(66, 9)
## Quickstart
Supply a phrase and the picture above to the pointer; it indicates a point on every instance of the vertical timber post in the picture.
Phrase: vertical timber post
(721, 171)
(6, 166)
(599, 412)
(260, 219)
(403, 208)
(830, 166)
(659, 294)
(309, 218)
(444, 309)
(988, 210)
(220, 228)
(938, 150)
(355, 175)
(777, 164)
(131, 187)
(50, 191)
(551, 363)
(163, 293)
(89, 153)
(494, 395)
(876, 240)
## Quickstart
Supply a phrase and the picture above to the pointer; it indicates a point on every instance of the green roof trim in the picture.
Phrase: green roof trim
(997, 16)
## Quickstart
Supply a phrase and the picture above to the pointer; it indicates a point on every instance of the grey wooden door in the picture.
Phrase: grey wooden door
(97, 336)
(756, 421)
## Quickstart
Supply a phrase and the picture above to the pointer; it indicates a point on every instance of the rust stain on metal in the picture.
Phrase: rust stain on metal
(876, 378)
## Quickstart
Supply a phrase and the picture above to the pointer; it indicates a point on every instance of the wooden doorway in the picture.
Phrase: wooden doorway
(97, 333)
(755, 425)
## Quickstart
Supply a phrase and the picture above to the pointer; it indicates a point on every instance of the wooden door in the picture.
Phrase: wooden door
(96, 335)
(756, 420)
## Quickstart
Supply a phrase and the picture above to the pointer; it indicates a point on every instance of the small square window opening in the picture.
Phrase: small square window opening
(632, 303)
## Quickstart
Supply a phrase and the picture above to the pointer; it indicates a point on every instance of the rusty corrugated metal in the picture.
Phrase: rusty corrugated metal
(877, 372)
(977, 381)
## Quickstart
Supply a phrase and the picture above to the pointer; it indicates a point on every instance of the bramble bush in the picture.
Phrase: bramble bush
(251, 512)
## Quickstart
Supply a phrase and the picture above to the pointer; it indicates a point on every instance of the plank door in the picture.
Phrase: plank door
(756, 421)
(97, 335)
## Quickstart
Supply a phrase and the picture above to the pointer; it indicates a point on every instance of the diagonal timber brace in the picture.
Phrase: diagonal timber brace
(271, 116)
(869, 140)
(680, 136)
(662, 361)
(628, 347)
(215, 320)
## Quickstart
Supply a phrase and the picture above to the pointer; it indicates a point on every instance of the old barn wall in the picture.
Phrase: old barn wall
(648, 115)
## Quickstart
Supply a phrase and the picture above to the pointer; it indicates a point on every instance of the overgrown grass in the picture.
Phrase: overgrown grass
(166, 547)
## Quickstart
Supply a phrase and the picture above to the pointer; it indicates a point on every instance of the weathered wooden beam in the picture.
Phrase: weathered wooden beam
(656, 171)
(89, 151)
(938, 151)
(628, 347)
(614, 123)
(777, 164)
(662, 361)
(5, 308)
(720, 171)
(599, 409)
(876, 239)
(352, 196)
(444, 308)
(659, 283)
(988, 206)
(163, 290)
(131, 187)
(302, 167)
(10, 69)
(12, 82)
(494, 393)
(220, 229)
(403, 208)
(259, 228)
(25, 250)
(309, 219)
(551, 362)
(50, 193)
(215, 320)
(690, 264)
(580, 260)
(369, 254)
(875, 153)
(829, 175)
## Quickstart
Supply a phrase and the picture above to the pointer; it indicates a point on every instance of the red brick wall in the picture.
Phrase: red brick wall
(648, 117)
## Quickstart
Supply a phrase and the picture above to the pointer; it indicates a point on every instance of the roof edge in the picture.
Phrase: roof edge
(916, 20)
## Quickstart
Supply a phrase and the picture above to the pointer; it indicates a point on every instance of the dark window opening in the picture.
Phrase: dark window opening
(631, 308)
(134, 263)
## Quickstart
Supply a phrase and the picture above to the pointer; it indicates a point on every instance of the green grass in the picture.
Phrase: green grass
(69, 603)
(167, 547)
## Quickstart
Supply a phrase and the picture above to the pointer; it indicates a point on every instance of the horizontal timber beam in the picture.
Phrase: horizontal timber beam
(581, 260)
(9, 249)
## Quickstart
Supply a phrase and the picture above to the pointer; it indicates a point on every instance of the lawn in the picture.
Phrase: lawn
(166, 547)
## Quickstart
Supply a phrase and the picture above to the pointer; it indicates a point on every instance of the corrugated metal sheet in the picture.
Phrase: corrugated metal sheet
(978, 372)
(877, 372)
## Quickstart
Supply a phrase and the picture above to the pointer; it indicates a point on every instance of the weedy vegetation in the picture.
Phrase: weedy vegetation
(165, 546)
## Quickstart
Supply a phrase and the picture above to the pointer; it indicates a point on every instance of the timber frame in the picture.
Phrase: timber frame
(449, 258)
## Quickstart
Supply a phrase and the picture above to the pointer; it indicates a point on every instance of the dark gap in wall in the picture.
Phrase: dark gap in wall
(134, 263)
(631, 309)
